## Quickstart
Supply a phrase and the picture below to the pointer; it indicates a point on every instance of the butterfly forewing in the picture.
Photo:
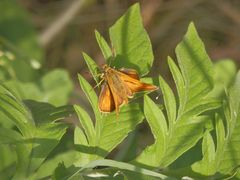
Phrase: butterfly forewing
(135, 85)
(130, 72)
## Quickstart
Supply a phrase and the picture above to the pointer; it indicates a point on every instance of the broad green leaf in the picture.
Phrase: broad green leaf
(92, 66)
(120, 165)
(106, 50)
(87, 124)
(131, 43)
(57, 87)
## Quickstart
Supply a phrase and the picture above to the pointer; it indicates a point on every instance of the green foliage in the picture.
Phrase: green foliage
(54, 87)
(131, 43)
(195, 130)
(17, 35)
(33, 138)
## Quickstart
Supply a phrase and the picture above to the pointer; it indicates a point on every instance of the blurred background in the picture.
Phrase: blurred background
(65, 28)
(41, 41)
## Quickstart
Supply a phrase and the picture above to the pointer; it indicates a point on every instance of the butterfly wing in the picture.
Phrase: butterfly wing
(135, 85)
(106, 101)
(130, 72)
(118, 89)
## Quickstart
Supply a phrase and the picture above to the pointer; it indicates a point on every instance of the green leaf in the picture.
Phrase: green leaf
(224, 74)
(9, 136)
(226, 157)
(54, 87)
(169, 101)
(159, 129)
(108, 132)
(114, 129)
(87, 124)
(196, 68)
(178, 79)
(131, 43)
(37, 140)
(92, 66)
(106, 50)
(44, 113)
(120, 165)
(57, 87)
(15, 111)
(45, 139)
(230, 158)
(91, 95)
(185, 125)
(48, 167)
(81, 146)
(208, 164)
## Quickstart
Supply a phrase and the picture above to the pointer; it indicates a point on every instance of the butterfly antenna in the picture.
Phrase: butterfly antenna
(97, 85)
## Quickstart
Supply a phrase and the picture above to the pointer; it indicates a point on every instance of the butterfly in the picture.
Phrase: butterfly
(118, 86)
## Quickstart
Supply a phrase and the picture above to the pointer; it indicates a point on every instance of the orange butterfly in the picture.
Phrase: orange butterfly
(118, 86)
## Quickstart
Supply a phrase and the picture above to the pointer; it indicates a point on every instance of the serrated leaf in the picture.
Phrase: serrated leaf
(196, 68)
(106, 50)
(131, 43)
(193, 84)
(226, 158)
